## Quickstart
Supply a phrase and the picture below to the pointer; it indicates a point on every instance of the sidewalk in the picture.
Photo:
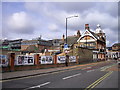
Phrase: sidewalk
(20, 74)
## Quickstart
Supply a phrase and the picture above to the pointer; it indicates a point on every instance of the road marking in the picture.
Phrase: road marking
(44, 74)
(106, 67)
(90, 70)
(38, 75)
(99, 80)
(86, 68)
(71, 76)
(38, 86)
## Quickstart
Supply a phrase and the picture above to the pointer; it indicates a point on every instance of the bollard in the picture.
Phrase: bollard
(12, 58)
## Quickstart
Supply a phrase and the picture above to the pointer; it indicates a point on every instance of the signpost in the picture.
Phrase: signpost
(65, 46)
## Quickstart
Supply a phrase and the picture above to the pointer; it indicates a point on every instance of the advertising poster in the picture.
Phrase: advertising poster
(46, 59)
(72, 59)
(61, 59)
(29, 60)
(20, 60)
(3, 60)
(25, 60)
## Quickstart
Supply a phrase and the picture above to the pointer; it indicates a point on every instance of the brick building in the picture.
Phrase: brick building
(38, 45)
(14, 45)
(113, 52)
(94, 40)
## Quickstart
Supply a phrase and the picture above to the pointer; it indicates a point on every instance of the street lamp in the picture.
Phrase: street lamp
(66, 25)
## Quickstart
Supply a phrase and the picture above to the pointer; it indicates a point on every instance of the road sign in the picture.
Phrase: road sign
(65, 45)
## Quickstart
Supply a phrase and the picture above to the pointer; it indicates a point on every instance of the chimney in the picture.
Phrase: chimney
(63, 37)
(87, 26)
(78, 33)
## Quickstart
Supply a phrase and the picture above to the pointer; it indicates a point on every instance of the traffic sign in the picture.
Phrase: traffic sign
(65, 45)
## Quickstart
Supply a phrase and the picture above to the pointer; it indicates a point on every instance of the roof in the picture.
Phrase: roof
(116, 44)
(109, 48)
(97, 36)
(32, 48)
(72, 40)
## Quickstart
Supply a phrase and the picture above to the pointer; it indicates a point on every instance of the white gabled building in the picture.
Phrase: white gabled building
(94, 40)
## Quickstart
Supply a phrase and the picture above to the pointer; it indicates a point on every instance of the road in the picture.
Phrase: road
(92, 76)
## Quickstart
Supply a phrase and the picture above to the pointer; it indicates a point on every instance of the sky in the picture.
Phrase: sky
(28, 20)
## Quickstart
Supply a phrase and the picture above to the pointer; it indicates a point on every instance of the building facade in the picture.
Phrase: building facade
(113, 52)
(38, 44)
(94, 40)
(14, 45)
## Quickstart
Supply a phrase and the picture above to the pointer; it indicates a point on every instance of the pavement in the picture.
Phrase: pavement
(26, 73)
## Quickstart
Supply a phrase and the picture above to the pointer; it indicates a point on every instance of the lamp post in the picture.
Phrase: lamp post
(67, 57)
(66, 25)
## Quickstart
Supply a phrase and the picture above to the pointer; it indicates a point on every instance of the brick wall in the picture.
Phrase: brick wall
(84, 55)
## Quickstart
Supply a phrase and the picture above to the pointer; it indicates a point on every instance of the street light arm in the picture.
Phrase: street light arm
(72, 16)
(66, 25)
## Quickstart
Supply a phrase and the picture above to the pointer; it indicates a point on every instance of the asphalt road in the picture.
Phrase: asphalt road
(94, 76)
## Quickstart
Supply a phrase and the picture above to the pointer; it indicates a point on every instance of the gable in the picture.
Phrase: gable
(87, 38)
(87, 33)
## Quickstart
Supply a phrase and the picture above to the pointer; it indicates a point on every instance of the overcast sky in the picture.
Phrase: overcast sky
(29, 20)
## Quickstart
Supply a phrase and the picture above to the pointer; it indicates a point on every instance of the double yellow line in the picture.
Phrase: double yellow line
(98, 81)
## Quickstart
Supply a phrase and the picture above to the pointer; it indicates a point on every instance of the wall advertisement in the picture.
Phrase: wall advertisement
(3, 61)
(61, 59)
(72, 58)
(25, 60)
(46, 60)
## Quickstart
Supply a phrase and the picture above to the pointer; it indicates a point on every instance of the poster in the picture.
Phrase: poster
(20, 60)
(29, 60)
(3, 60)
(61, 59)
(72, 59)
(25, 60)
(46, 60)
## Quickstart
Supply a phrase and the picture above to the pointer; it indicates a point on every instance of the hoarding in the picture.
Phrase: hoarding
(46, 60)
(61, 59)
(25, 60)
(72, 58)
(3, 60)
(29, 60)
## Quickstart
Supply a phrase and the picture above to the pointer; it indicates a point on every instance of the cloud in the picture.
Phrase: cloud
(112, 36)
(20, 23)
(53, 27)
(41, 18)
